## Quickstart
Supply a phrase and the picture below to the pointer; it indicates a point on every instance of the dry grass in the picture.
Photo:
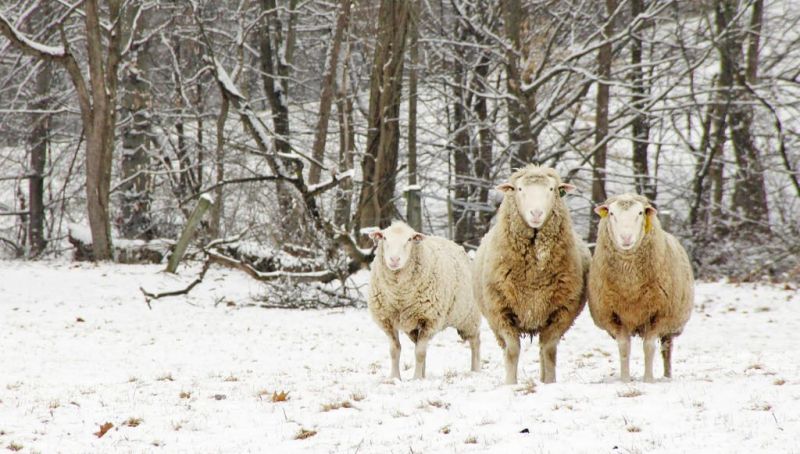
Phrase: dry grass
(357, 397)
(185, 394)
(336, 405)
(231, 378)
(132, 422)
(633, 429)
(14, 447)
(761, 406)
(527, 387)
(444, 430)
(302, 434)
(165, 377)
(434, 403)
(471, 440)
(779, 382)
(630, 392)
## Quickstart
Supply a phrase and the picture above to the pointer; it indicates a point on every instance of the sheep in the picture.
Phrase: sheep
(531, 269)
(641, 281)
(419, 284)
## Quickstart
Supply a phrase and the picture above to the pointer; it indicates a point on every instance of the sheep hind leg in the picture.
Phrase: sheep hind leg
(420, 353)
(475, 347)
(649, 353)
(666, 355)
(511, 351)
(624, 344)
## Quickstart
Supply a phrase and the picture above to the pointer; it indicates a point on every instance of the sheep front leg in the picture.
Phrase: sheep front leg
(420, 352)
(548, 349)
(511, 351)
(624, 344)
(649, 352)
(394, 349)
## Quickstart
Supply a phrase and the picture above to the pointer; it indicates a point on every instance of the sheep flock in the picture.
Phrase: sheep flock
(532, 276)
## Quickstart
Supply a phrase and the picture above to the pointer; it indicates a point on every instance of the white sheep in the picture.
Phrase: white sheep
(420, 285)
(530, 269)
(641, 281)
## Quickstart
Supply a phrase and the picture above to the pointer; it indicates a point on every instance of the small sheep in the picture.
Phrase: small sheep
(530, 269)
(641, 281)
(420, 285)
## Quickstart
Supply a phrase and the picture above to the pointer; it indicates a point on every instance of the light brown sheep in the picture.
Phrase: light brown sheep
(530, 269)
(641, 281)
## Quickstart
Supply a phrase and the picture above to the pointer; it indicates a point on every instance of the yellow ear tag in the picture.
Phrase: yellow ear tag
(603, 213)
(648, 224)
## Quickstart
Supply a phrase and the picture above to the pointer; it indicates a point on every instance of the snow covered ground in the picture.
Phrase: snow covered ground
(79, 348)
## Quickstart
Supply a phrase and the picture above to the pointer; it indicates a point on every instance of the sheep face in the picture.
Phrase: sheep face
(627, 221)
(535, 196)
(396, 242)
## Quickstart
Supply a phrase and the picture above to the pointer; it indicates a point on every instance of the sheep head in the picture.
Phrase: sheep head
(396, 244)
(535, 190)
(629, 217)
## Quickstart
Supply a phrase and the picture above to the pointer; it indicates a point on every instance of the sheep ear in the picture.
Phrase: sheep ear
(649, 213)
(376, 235)
(601, 210)
(505, 187)
(417, 237)
(564, 188)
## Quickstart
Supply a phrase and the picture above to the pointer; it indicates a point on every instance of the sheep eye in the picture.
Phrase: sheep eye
(519, 188)
(551, 189)
(640, 213)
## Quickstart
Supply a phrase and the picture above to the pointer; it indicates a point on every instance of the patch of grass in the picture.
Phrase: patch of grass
(336, 405)
(273, 396)
(761, 406)
(14, 447)
(633, 429)
(471, 440)
(185, 394)
(54, 404)
(231, 378)
(527, 387)
(357, 397)
(779, 382)
(165, 377)
(132, 422)
(630, 392)
(132, 380)
(754, 366)
(303, 433)
(177, 425)
(434, 403)
(444, 430)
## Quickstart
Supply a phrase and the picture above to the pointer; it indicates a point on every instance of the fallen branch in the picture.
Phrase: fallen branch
(154, 296)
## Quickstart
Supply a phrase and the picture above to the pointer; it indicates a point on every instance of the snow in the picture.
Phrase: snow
(80, 348)
(208, 197)
(334, 178)
(52, 51)
(80, 232)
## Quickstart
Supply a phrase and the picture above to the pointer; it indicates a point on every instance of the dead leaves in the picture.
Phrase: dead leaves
(277, 396)
(103, 429)
(304, 433)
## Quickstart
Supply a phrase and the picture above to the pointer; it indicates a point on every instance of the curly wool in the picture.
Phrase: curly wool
(430, 293)
(529, 280)
(647, 292)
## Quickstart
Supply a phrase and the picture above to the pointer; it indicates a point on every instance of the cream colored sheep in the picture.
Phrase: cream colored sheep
(641, 281)
(530, 269)
(420, 285)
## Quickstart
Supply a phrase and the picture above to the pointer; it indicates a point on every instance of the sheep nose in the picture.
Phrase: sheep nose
(394, 260)
(626, 238)
(536, 214)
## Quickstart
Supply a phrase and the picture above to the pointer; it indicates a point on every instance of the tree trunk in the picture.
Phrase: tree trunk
(601, 119)
(483, 157)
(347, 148)
(379, 166)
(749, 193)
(641, 125)
(413, 192)
(326, 97)
(217, 209)
(136, 222)
(523, 144)
(39, 141)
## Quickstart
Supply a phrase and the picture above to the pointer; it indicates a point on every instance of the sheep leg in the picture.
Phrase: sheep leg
(511, 351)
(547, 359)
(649, 353)
(624, 344)
(394, 351)
(420, 352)
(475, 347)
(666, 355)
